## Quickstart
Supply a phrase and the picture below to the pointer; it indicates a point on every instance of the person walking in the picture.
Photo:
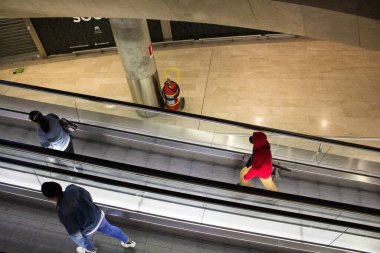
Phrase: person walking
(50, 132)
(81, 216)
(259, 164)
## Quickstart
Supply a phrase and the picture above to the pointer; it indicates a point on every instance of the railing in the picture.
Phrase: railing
(194, 41)
(184, 114)
(192, 128)
(42, 155)
(202, 209)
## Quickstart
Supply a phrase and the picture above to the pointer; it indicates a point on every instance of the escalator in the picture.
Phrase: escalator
(45, 234)
(184, 175)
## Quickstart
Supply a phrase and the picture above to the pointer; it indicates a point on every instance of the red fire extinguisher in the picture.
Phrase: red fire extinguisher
(170, 93)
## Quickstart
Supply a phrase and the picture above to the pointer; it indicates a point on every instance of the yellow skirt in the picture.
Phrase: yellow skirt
(242, 173)
(267, 182)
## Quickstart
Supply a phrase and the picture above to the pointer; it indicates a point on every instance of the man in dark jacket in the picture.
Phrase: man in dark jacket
(81, 217)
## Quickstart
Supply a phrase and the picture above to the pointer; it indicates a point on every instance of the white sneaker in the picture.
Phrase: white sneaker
(84, 250)
(130, 244)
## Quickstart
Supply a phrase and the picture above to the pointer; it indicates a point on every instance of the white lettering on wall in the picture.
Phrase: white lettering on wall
(86, 19)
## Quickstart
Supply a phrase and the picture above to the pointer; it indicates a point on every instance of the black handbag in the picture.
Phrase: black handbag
(66, 124)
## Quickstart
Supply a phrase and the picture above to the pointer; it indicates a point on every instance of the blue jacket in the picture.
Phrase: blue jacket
(76, 211)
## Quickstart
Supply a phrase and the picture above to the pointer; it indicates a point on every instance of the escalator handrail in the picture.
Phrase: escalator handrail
(181, 195)
(188, 115)
(243, 155)
(190, 179)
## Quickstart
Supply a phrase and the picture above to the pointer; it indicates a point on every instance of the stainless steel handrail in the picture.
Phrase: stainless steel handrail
(188, 115)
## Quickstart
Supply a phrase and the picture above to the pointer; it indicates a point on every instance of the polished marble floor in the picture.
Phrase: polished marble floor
(301, 85)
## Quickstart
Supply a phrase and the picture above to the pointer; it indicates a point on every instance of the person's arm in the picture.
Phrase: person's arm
(70, 224)
(42, 140)
(45, 144)
(54, 115)
(257, 163)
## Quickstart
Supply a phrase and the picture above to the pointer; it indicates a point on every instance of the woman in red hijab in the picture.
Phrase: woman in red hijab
(260, 163)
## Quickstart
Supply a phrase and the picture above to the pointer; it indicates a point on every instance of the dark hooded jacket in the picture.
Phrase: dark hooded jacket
(76, 211)
(261, 158)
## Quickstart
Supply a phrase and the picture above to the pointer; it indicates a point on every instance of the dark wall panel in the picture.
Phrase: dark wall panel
(155, 30)
(65, 35)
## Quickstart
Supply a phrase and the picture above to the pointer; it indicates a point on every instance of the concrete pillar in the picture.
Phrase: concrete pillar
(133, 41)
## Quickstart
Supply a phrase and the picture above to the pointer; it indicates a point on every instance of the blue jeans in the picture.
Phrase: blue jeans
(104, 228)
